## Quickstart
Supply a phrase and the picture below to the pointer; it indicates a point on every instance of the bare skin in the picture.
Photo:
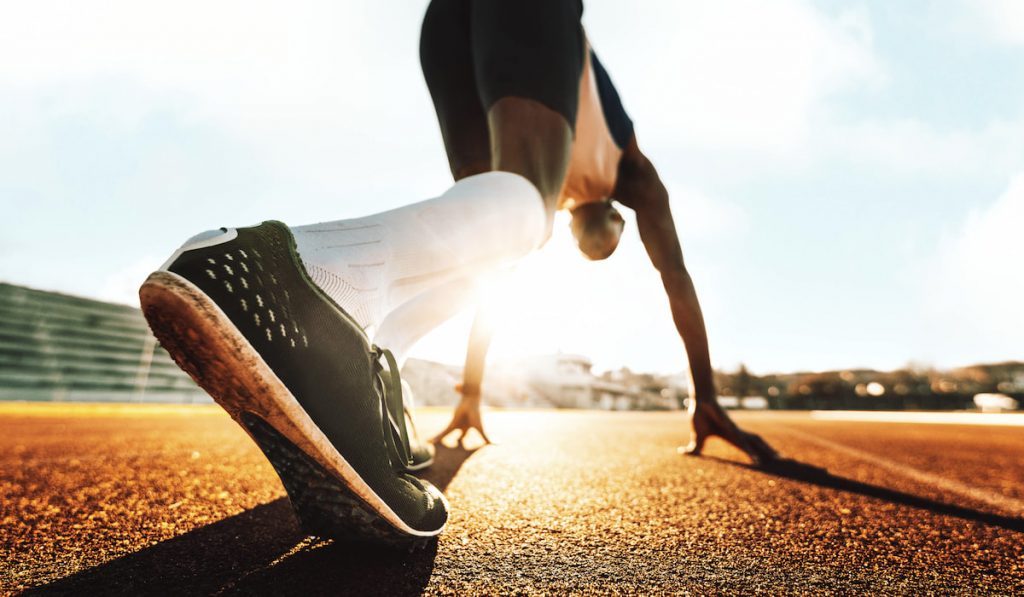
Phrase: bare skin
(532, 140)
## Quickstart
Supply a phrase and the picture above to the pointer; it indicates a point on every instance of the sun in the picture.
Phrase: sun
(522, 305)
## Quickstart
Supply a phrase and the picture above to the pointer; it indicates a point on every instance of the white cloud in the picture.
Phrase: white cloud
(1004, 18)
(912, 146)
(226, 48)
(251, 64)
(976, 287)
(767, 81)
(743, 74)
(326, 94)
(700, 218)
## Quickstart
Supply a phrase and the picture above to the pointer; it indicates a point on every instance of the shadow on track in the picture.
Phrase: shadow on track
(806, 473)
(447, 462)
(263, 551)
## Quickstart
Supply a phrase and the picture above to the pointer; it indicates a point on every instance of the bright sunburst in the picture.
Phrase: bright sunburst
(556, 300)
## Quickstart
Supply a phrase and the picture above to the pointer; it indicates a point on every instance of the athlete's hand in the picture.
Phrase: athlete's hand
(465, 417)
(707, 419)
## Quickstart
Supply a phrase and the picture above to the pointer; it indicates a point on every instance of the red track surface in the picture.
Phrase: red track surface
(156, 499)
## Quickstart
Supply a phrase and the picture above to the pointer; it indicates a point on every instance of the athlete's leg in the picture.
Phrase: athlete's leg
(530, 139)
(504, 77)
(527, 59)
(371, 265)
(447, 60)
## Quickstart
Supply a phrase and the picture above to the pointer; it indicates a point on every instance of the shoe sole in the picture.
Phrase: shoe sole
(328, 495)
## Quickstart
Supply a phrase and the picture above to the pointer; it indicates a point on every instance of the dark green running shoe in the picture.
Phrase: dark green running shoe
(237, 311)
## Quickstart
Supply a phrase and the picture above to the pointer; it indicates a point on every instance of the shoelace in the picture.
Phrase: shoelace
(396, 436)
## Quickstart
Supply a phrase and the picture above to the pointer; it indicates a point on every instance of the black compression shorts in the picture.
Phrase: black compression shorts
(475, 52)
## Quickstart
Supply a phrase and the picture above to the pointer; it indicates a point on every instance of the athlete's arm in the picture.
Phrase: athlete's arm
(467, 412)
(639, 188)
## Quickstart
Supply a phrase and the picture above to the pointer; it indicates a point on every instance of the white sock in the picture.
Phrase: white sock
(371, 265)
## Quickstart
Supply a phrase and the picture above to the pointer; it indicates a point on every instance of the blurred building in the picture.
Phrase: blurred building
(547, 381)
(567, 381)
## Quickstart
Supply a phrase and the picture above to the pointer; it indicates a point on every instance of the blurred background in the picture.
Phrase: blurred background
(847, 179)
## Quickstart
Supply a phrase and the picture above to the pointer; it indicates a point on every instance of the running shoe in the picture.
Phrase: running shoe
(236, 309)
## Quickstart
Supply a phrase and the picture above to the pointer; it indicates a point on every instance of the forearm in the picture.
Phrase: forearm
(467, 411)
(476, 357)
(689, 321)
(640, 188)
(659, 236)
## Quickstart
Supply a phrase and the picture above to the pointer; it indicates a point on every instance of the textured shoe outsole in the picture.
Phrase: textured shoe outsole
(204, 343)
(324, 506)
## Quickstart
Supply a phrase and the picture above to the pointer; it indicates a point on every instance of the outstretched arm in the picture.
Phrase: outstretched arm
(640, 189)
(467, 412)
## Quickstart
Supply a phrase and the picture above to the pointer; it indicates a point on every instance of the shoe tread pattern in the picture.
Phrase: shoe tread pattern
(325, 507)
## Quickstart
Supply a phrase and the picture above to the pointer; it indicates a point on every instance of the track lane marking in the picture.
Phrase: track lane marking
(100, 410)
(996, 500)
(939, 418)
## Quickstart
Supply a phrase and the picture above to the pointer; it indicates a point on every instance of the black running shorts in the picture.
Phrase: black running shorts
(475, 52)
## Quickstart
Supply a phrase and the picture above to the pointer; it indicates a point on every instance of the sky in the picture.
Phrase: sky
(847, 177)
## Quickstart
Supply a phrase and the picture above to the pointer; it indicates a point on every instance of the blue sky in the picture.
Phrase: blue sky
(848, 177)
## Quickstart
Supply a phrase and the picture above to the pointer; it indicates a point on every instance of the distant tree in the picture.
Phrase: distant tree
(742, 382)
(723, 382)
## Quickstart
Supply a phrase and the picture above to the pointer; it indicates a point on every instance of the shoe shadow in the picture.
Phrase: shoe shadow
(813, 475)
(447, 462)
(263, 551)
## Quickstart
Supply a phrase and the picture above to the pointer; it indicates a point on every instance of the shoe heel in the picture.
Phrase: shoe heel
(324, 506)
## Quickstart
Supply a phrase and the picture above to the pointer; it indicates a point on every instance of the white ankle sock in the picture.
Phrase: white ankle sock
(371, 265)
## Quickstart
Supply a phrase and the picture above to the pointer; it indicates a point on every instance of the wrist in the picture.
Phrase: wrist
(469, 394)
(705, 396)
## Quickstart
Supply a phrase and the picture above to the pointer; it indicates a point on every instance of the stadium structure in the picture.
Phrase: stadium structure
(58, 347)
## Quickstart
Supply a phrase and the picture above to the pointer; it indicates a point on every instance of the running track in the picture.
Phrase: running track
(158, 499)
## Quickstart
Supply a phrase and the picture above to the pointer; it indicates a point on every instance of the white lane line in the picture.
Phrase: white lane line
(992, 499)
(940, 418)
